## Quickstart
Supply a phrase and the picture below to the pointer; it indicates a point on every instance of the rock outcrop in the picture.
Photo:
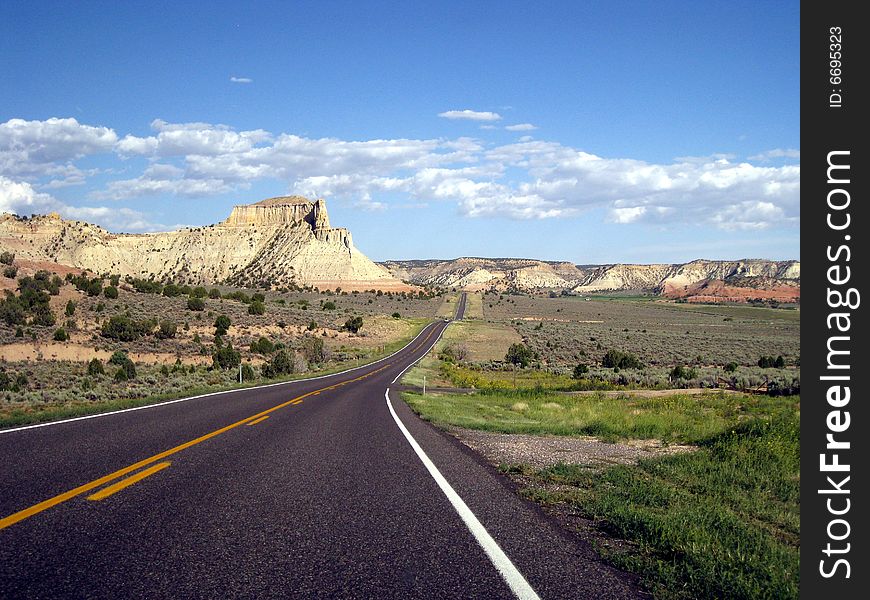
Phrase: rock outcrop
(700, 280)
(278, 242)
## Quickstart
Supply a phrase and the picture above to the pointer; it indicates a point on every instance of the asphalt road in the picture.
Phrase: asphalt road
(309, 489)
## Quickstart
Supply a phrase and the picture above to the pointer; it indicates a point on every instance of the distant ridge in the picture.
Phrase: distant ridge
(698, 280)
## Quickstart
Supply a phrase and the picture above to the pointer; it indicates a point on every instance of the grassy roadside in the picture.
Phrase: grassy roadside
(722, 522)
(675, 418)
(12, 415)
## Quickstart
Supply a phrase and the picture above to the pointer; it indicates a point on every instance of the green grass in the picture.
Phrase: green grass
(673, 418)
(722, 522)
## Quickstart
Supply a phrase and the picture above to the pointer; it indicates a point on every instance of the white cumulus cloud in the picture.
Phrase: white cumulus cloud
(521, 127)
(37, 148)
(241, 79)
(471, 115)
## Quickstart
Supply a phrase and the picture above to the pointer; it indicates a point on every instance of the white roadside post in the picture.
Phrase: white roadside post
(424, 385)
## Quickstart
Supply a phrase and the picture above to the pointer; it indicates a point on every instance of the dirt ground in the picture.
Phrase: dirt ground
(544, 451)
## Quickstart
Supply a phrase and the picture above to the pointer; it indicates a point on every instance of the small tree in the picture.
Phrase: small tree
(214, 294)
(95, 367)
(167, 329)
(197, 304)
(354, 324)
(256, 308)
(730, 367)
(60, 335)
(121, 359)
(225, 357)
(111, 292)
(314, 349)
(70, 308)
(579, 371)
(7, 258)
(519, 354)
(221, 325)
(282, 364)
(262, 346)
(95, 287)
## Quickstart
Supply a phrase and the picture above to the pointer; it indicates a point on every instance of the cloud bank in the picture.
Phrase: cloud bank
(528, 179)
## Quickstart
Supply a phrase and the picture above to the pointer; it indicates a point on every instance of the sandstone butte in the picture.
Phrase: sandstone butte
(276, 242)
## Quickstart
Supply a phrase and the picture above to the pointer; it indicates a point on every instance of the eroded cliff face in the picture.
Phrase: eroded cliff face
(279, 241)
(701, 279)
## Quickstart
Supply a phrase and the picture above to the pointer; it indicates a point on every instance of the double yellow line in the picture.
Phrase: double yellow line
(108, 491)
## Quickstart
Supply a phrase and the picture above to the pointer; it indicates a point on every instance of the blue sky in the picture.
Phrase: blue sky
(590, 132)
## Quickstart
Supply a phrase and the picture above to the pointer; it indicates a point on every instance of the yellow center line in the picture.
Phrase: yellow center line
(68, 495)
(117, 487)
(260, 420)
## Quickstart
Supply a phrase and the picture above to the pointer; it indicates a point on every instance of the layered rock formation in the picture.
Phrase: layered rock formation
(279, 241)
(700, 280)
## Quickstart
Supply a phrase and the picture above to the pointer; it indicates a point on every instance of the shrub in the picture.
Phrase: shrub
(225, 357)
(6, 258)
(328, 305)
(111, 292)
(121, 359)
(519, 354)
(214, 294)
(42, 315)
(681, 372)
(312, 325)
(197, 304)
(620, 360)
(121, 374)
(167, 329)
(731, 367)
(221, 325)
(262, 346)
(95, 367)
(70, 308)
(579, 371)
(198, 292)
(171, 290)
(95, 288)
(314, 349)
(146, 286)
(768, 362)
(281, 364)
(115, 280)
(122, 328)
(354, 324)
(60, 335)
(396, 315)
(258, 298)
(248, 372)
(11, 272)
(12, 312)
(256, 308)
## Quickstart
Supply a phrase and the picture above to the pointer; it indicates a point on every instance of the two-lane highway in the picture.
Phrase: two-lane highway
(325, 487)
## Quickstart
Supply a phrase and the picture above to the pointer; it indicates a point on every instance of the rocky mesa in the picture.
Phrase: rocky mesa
(698, 281)
(277, 242)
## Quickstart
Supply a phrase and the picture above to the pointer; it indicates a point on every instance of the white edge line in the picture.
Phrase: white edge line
(511, 575)
(256, 387)
(503, 564)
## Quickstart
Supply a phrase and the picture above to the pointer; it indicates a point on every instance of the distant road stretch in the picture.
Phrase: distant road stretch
(321, 488)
